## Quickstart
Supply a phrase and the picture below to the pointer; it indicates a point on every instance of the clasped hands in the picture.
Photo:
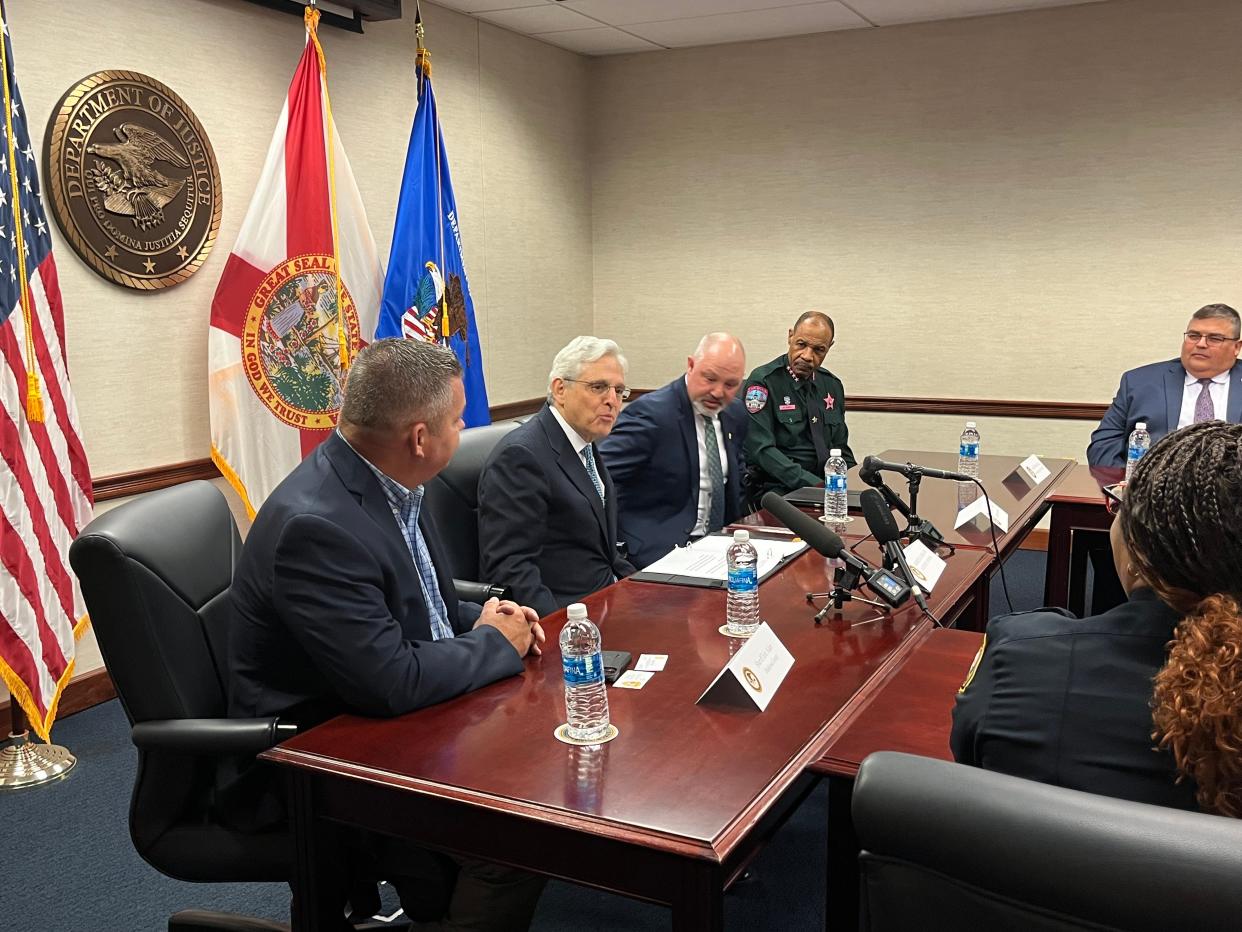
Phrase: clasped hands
(518, 623)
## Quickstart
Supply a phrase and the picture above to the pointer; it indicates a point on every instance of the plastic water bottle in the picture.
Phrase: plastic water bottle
(968, 451)
(742, 613)
(586, 698)
(836, 493)
(1140, 443)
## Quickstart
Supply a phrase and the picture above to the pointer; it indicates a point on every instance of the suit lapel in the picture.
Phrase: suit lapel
(1233, 407)
(689, 438)
(571, 465)
(1174, 386)
(360, 481)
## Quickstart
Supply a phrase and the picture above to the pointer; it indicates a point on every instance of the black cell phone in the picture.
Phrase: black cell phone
(616, 662)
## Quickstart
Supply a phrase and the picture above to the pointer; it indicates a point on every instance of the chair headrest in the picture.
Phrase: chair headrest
(164, 531)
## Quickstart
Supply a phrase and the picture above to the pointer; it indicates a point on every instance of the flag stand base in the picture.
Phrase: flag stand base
(26, 763)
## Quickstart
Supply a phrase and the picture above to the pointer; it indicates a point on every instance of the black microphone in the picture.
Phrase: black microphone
(872, 465)
(880, 521)
(828, 543)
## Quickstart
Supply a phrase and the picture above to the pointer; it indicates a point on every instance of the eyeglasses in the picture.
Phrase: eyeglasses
(1113, 497)
(601, 388)
(1214, 339)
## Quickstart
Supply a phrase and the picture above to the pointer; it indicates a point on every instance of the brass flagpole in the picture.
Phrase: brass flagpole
(24, 762)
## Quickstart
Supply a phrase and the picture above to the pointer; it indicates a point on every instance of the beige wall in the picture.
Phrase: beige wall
(1011, 206)
(516, 126)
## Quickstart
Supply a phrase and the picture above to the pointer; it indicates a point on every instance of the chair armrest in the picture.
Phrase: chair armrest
(480, 592)
(212, 735)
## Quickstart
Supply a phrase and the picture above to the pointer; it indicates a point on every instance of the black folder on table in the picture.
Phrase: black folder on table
(814, 495)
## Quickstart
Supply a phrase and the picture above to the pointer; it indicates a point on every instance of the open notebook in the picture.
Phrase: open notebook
(702, 563)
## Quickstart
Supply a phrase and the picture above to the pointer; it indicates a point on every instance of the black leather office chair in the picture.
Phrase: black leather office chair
(951, 847)
(453, 500)
(155, 575)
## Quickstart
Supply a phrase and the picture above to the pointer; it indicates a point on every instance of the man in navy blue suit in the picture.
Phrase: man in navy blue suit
(343, 603)
(547, 505)
(675, 455)
(1204, 384)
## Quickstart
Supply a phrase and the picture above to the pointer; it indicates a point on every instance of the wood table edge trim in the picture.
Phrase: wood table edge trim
(600, 826)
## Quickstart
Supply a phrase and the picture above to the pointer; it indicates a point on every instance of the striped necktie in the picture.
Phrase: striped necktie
(715, 475)
(589, 462)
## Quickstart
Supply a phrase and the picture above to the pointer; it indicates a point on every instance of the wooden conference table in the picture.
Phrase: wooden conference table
(670, 811)
(910, 711)
(940, 501)
(677, 805)
(1080, 521)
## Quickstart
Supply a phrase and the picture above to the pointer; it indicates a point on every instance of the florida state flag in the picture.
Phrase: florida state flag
(301, 287)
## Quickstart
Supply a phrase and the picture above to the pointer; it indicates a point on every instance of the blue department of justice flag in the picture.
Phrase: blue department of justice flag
(426, 294)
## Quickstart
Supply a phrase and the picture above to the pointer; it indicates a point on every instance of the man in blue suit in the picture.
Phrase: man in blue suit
(675, 455)
(1204, 384)
(342, 602)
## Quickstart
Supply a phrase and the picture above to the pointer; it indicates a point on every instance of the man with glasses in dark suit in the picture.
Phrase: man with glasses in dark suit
(547, 506)
(1204, 384)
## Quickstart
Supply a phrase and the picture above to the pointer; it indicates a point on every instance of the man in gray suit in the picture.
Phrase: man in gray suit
(1204, 384)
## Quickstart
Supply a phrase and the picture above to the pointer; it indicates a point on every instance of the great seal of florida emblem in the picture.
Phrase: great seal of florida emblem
(134, 183)
(291, 341)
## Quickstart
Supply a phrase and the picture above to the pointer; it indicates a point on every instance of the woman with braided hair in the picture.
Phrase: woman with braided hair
(1142, 702)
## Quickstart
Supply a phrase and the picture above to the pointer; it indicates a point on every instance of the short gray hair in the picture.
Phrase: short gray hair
(394, 383)
(1223, 312)
(579, 353)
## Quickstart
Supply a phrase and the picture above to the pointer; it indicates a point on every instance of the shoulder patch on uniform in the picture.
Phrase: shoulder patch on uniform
(974, 665)
(756, 398)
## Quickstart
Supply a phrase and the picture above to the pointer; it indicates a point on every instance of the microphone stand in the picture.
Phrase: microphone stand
(845, 579)
(919, 528)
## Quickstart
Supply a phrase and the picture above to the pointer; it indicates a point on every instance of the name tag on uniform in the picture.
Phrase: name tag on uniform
(788, 407)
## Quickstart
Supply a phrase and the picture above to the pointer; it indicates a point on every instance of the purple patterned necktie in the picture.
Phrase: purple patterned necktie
(1204, 411)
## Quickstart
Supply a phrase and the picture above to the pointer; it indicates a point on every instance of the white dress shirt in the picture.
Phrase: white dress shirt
(1218, 390)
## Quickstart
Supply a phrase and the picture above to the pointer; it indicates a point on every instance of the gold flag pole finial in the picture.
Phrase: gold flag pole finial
(422, 56)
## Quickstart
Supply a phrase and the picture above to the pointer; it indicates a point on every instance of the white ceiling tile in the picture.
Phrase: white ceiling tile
(759, 24)
(536, 19)
(623, 12)
(603, 40)
(892, 12)
(480, 6)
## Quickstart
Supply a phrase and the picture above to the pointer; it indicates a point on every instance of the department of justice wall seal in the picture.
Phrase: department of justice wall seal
(134, 183)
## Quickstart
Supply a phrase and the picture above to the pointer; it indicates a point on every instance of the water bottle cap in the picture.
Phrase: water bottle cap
(576, 611)
(834, 452)
(1141, 425)
(740, 536)
(970, 423)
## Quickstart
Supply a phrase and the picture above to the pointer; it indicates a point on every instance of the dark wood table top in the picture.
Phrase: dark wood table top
(911, 711)
(1081, 485)
(940, 500)
(683, 778)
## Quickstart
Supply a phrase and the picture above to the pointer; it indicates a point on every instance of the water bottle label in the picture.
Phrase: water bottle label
(583, 671)
(743, 579)
(836, 483)
(969, 449)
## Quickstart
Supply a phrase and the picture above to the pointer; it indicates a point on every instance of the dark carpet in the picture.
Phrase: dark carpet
(68, 862)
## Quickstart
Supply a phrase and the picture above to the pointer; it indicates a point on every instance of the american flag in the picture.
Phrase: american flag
(45, 487)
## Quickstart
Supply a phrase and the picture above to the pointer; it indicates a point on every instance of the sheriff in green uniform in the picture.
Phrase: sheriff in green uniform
(797, 412)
